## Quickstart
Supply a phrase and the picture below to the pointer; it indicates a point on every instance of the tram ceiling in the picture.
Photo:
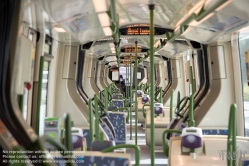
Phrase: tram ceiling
(113, 25)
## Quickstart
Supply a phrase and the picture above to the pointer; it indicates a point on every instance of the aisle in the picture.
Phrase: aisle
(160, 158)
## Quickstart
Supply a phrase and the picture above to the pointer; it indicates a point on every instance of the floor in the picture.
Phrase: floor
(160, 158)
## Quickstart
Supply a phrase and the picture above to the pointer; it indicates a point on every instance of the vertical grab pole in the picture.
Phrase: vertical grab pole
(152, 80)
(161, 93)
(171, 105)
(191, 122)
(38, 108)
(192, 80)
(96, 117)
(90, 120)
(68, 133)
(106, 99)
(136, 104)
(21, 98)
(231, 138)
(130, 100)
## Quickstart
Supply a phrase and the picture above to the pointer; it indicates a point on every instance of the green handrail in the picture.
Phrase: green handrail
(90, 120)
(136, 104)
(144, 113)
(130, 82)
(161, 95)
(135, 147)
(192, 80)
(21, 98)
(197, 17)
(126, 87)
(178, 109)
(231, 138)
(106, 98)
(114, 17)
(152, 80)
(178, 97)
(96, 117)
(171, 105)
(68, 134)
(165, 146)
(191, 122)
(39, 94)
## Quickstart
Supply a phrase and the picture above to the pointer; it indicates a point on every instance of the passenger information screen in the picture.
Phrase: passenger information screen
(141, 29)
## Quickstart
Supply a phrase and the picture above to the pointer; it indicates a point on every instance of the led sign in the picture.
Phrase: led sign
(141, 29)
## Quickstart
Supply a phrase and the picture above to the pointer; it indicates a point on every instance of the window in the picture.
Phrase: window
(122, 71)
(43, 107)
(25, 104)
(48, 45)
(244, 60)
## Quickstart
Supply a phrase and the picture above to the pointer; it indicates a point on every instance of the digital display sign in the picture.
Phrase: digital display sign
(138, 31)
(132, 49)
(141, 29)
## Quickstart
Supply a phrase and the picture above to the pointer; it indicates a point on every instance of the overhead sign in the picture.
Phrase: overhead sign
(132, 49)
(141, 29)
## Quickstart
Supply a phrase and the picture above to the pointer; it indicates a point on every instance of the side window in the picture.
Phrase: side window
(48, 45)
(45, 81)
(244, 60)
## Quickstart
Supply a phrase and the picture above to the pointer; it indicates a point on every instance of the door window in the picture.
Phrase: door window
(244, 59)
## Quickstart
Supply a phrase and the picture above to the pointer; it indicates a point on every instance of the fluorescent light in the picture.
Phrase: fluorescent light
(107, 31)
(100, 5)
(104, 19)
(58, 29)
(113, 51)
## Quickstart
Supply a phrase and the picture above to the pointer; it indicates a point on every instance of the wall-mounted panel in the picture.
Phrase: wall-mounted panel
(89, 66)
(69, 64)
(176, 68)
(217, 62)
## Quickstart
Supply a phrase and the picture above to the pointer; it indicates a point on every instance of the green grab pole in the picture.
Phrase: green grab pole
(21, 98)
(68, 133)
(101, 136)
(171, 105)
(191, 122)
(144, 113)
(178, 97)
(90, 120)
(100, 95)
(136, 83)
(126, 91)
(114, 17)
(161, 93)
(231, 138)
(110, 92)
(106, 99)
(130, 101)
(152, 80)
(39, 94)
(135, 147)
(192, 80)
(165, 145)
(96, 117)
